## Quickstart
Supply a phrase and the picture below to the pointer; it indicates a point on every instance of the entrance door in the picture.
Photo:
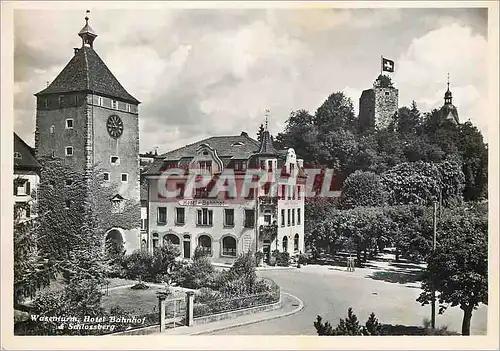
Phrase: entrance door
(187, 246)
(267, 253)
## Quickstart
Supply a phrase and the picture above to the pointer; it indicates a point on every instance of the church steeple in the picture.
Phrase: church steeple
(266, 142)
(87, 33)
(447, 94)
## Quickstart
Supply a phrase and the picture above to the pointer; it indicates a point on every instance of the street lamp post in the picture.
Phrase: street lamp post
(433, 305)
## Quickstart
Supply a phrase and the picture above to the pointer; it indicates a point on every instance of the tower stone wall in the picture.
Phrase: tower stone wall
(377, 107)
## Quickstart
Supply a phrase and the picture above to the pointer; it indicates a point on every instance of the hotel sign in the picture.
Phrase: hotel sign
(203, 203)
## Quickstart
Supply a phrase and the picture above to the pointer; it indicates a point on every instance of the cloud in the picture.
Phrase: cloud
(422, 72)
(210, 72)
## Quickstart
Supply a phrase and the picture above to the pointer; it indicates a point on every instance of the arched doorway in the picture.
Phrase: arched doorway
(114, 243)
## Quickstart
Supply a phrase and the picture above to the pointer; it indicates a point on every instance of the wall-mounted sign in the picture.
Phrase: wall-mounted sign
(203, 203)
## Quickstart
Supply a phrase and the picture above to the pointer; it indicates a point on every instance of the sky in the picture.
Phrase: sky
(207, 72)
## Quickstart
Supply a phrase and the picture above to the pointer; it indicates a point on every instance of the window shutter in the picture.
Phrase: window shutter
(210, 217)
(28, 188)
(15, 188)
(199, 216)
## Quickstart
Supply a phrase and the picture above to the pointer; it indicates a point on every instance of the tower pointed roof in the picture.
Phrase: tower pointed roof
(86, 72)
(266, 142)
(448, 110)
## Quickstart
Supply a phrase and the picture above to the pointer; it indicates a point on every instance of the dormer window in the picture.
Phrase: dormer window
(114, 104)
(115, 160)
(128, 107)
(240, 165)
(52, 129)
(205, 167)
(99, 101)
(17, 155)
(45, 103)
(238, 143)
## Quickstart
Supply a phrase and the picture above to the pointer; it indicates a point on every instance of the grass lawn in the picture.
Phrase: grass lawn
(135, 301)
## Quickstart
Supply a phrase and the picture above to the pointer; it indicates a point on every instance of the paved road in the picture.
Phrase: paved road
(329, 293)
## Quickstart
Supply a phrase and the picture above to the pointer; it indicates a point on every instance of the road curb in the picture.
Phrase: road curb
(300, 307)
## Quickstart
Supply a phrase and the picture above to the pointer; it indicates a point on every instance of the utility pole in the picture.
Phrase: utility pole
(433, 306)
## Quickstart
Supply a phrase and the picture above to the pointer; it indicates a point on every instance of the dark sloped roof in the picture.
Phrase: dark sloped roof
(266, 145)
(227, 147)
(449, 111)
(87, 72)
(27, 160)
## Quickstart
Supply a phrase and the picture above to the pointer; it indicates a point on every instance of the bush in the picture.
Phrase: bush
(259, 256)
(139, 286)
(196, 275)
(138, 265)
(302, 259)
(156, 268)
(283, 259)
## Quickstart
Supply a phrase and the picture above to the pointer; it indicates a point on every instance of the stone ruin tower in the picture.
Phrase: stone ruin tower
(377, 106)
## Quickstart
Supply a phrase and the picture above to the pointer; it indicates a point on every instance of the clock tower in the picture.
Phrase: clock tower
(86, 118)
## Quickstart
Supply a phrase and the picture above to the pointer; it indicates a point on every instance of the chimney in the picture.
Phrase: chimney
(76, 50)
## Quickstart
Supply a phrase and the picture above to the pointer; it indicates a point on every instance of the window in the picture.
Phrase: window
(296, 242)
(289, 191)
(172, 238)
(124, 177)
(251, 193)
(105, 176)
(205, 217)
(144, 221)
(298, 192)
(267, 188)
(285, 244)
(61, 100)
(67, 204)
(99, 101)
(205, 167)
(228, 217)
(267, 219)
(269, 165)
(45, 103)
(69, 182)
(293, 216)
(114, 104)
(283, 191)
(288, 222)
(386, 93)
(155, 240)
(69, 123)
(179, 215)
(115, 160)
(21, 187)
(240, 165)
(205, 244)
(249, 218)
(77, 100)
(282, 217)
(69, 151)
(127, 106)
(180, 187)
(17, 155)
(298, 216)
(229, 246)
(52, 129)
(162, 215)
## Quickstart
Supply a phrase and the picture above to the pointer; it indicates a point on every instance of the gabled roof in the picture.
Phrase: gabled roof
(227, 147)
(449, 111)
(27, 160)
(87, 72)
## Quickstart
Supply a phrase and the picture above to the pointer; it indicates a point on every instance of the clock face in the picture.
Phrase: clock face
(114, 126)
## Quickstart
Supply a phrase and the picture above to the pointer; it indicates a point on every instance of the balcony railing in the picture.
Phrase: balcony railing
(268, 201)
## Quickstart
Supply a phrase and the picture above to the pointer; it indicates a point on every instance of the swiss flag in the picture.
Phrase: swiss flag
(387, 65)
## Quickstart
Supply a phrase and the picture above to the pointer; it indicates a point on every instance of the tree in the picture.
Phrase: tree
(260, 132)
(458, 268)
(384, 81)
(362, 189)
(337, 112)
(349, 326)
(416, 183)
